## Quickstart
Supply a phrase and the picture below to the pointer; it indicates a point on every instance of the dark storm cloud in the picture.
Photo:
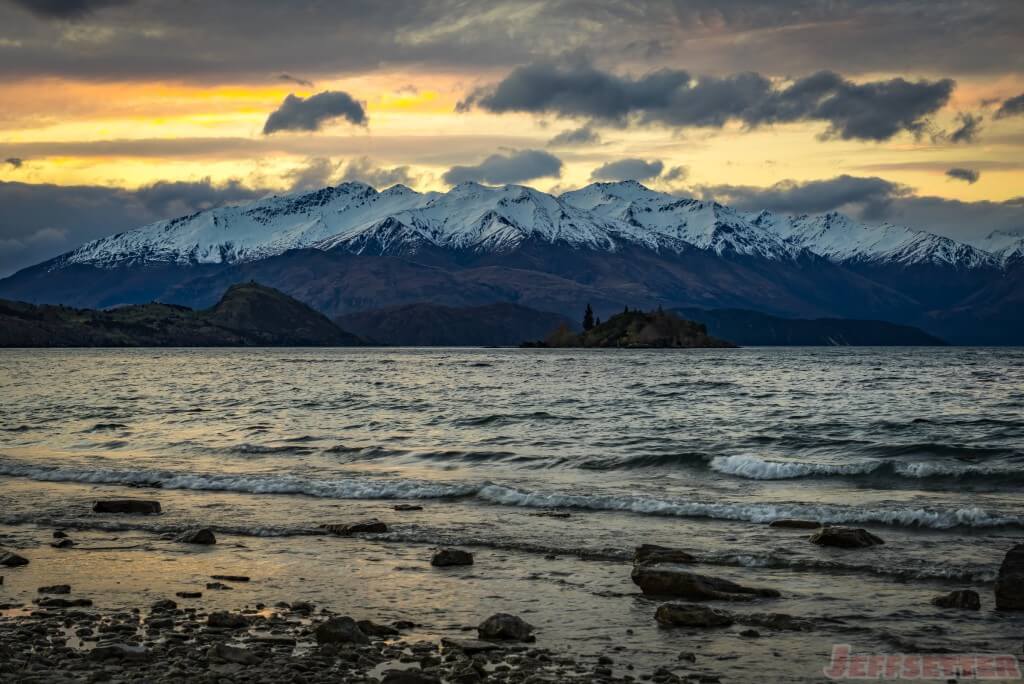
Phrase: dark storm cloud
(42, 221)
(1012, 107)
(296, 80)
(16, 162)
(514, 167)
(969, 125)
(628, 169)
(310, 113)
(584, 135)
(875, 110)
(221, 41)
(871, 195)
(66, 9)
(970, 176)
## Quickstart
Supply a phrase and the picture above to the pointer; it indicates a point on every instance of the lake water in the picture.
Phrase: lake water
(696, 449)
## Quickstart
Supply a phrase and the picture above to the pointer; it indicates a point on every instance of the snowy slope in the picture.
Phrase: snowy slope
(841, 239)
(602, 216)
(1007, 247)
(663, 220)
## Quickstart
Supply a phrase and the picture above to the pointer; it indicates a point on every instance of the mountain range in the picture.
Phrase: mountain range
(349, 248)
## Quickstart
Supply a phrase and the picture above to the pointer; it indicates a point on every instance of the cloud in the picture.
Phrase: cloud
(230, 40)
(363, 170)
(16, 162)
(967, 131)
(869, 197)
(66, 9)
(628, 169)
(876, 110)
(514, 167)
(319, 172)
(295, 79)
(40, 221)
(1011, 107)
(676, 173)
(970, 176)
(584, 135)
(309, 114)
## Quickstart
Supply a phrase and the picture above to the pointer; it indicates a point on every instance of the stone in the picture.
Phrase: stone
(1010, 580)
(232, 654)
(963, 599)
(59, 534)
(407, 507)
(672, 580)
(55, 589)
(62, 543)
(503, 626)
(845, 538)
(777, 621)
(119, 652)
(470, 646)
(202, 536)
(372, 526)
(230, 578)
(447, 557)
(136, 506)
(189, 594)
(340, 630)
(795, 524)
(691, 615)
(652, 553)
(163, 605)
(218, 586)
(371, 628)
(227, 620)
(409, 676)
(750, 633)
(56, 602)
(12, 560)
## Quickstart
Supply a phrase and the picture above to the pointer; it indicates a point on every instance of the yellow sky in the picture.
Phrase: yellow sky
(56, 126)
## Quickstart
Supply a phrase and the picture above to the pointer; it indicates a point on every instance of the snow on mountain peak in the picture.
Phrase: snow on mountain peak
(601, 216)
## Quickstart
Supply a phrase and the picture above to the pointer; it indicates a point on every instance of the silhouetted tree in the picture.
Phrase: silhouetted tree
(597, 321)
(588, 318)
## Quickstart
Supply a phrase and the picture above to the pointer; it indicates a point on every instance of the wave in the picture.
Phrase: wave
(509, 418)
(752, 512)
(754, 468)
(488, 492)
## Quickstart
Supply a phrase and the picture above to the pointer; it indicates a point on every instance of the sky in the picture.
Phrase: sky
(116, 113)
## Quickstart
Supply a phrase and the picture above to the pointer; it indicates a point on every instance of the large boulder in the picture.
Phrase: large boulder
(691, 615)
(652, 553)
(340, 630)
(502, 626)
(845, 537)
(672, 580)
(963, 599)
(226, 620)
(12, 560)
(137, 506)
(55, 589)
(373, 526)
(447, 557)
(1010, 581)
(203, 536)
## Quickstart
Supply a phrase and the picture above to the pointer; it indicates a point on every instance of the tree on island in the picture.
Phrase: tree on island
(588, 318)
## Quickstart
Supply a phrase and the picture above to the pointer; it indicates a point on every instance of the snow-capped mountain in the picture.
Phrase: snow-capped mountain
(841, 239)
(662, 219)
(1007, 247)
(603, 216)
